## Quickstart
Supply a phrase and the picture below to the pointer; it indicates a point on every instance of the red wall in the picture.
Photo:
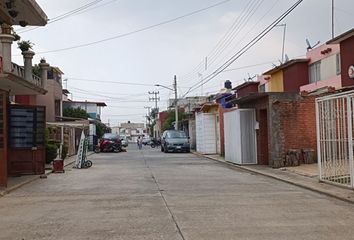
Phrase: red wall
(244, 91)
(298, 124)
(25, 99)
(295, 76)
(347, 59)
(222, 133)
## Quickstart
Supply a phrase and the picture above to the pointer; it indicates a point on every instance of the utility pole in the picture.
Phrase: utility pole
(148, 115)
(176, 102)
(155, 97)
(332, 19)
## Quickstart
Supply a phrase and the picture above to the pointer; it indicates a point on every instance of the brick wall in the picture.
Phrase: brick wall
(293, 127)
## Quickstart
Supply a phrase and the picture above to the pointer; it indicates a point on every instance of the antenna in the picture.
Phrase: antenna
(286, 58)
(309, 46)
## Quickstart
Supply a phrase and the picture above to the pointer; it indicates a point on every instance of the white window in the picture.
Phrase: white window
(338, 64)
(315, 72)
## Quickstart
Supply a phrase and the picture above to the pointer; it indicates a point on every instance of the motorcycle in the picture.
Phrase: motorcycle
(107, 145)
(155, 142)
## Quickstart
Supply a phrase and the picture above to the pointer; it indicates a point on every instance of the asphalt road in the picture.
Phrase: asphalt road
(152, 195)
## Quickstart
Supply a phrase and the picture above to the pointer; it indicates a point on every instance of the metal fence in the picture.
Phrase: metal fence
(334, 123)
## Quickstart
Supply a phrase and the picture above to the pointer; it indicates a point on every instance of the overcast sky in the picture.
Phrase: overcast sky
(178, 48)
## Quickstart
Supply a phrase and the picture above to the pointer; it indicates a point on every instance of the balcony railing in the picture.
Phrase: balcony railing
(20, 72)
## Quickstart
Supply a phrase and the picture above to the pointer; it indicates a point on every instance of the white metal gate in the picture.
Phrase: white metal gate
(240, 137)
(206, 133)
(334, 125)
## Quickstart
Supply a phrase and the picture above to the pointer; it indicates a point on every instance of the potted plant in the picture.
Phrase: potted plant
(42, 60)
(6, 29)
(25, 45)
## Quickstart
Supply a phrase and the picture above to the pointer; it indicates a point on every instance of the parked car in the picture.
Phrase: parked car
(176, 141)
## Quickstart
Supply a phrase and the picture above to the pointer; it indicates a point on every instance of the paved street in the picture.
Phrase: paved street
(152, 195)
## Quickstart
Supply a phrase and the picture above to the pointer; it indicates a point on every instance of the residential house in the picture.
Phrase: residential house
(284, 120)
(209, 127)
(335, 116)
(19, 153)
(94, 110)
(132, 130)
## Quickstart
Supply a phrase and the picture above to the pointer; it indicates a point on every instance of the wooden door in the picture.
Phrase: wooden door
(3, 138)
(26, 140)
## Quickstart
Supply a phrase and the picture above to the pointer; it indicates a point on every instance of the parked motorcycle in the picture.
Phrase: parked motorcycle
(155, 142)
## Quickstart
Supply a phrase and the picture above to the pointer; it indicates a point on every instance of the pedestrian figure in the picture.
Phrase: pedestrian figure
(140, 142)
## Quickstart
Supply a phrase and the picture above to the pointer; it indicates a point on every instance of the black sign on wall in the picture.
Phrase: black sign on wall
(27, 127)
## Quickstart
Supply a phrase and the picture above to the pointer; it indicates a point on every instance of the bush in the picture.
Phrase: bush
(51, 152)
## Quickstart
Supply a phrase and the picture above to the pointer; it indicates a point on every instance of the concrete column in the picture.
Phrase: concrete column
(27, 59)
(44, 73)
(6, 42)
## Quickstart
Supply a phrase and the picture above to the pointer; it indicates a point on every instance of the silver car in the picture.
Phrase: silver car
(175, 141)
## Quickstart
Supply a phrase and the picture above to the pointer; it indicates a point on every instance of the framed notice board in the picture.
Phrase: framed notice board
(27, 127)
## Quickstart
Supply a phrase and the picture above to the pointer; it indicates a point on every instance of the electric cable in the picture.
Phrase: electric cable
(245, 48)
(138, 30)
(65, 15)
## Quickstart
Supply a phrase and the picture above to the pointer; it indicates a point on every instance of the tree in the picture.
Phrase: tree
(75, 113)
(171, 118)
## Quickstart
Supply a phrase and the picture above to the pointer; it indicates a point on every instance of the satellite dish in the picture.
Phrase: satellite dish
(309, 46)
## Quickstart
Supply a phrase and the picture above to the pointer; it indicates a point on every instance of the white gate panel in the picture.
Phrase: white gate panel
(206, 133)
(240, 136)
(334, 125)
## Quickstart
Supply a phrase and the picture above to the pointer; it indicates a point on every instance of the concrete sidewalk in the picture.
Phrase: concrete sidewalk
(17, 182)
(294, 177)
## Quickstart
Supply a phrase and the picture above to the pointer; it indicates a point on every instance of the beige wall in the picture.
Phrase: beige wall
(54, 93)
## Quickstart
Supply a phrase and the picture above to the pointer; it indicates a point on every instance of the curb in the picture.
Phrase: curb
(320, 191)
(35, 177)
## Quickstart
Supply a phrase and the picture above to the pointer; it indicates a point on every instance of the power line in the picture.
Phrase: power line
(245, 48)
(66, 15)
(101, 81)
(137, 31)
(238, 24)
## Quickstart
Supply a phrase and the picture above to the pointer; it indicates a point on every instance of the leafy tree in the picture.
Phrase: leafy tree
(170, 119)
(75, 113)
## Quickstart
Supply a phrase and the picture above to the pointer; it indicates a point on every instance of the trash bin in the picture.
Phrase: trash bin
(58, 166)
(293, 158)
(309, 155)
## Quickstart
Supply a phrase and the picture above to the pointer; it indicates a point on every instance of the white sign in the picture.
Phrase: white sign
(351, 71)
(80, 153)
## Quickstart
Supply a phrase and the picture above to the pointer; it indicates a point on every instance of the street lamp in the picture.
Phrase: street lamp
(175, 90)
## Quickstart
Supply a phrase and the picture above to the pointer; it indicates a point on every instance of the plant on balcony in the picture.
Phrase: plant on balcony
(17, 37)
(25, 45)
(6, 29)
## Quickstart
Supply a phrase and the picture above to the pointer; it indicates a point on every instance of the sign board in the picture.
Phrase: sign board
(351, 71)
(81, 154)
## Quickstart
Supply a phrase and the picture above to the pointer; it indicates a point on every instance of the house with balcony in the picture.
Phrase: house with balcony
(21, 127)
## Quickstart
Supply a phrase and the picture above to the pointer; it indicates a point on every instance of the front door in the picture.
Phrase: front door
(26, 140)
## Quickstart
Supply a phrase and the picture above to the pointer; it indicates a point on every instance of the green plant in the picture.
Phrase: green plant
(25, 45)
(17, 37)
(51, 152)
